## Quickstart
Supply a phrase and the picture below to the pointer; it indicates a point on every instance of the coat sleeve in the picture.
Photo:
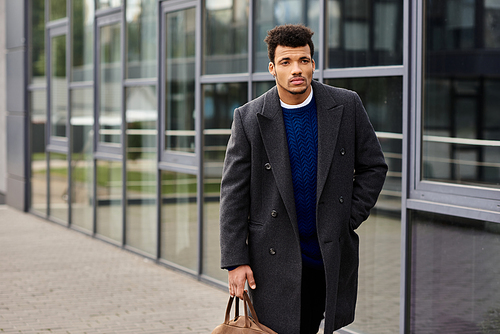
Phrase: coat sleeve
(369, 170)
(235, 197)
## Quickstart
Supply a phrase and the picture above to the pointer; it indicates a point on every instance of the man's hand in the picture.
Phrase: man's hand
(237, 278)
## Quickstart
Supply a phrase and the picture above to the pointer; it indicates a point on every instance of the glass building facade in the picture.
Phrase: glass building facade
(119, 113)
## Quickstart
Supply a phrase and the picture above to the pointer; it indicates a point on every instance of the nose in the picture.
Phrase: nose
(296, 70)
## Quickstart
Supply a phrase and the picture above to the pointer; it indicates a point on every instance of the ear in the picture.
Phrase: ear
(313, 65)
(271, 69)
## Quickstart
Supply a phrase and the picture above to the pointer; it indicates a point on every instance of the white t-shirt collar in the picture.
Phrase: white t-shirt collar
(296, 106)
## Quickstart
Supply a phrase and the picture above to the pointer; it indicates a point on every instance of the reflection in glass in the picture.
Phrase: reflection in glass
(270, 13)
(262, 87)
(219, 102)
(110, 118)
(82, 162)
(364, 33)
(180, 80)
(380, 235)
(141, 114)
(82, 22)
(179, 219)
(58, 87)
(103, 4)
(57, 9)
(109, 199)
(461, 89)
(141, 38)
(455, 275)
(226, 37)
(37, 43)
(38, 111)
(58, 186)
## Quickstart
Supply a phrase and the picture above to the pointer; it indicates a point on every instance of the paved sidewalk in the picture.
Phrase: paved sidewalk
(55, 280)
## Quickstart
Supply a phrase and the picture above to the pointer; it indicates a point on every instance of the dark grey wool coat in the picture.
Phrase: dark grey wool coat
(258, 223)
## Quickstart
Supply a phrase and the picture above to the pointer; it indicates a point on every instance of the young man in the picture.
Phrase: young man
(303, 168)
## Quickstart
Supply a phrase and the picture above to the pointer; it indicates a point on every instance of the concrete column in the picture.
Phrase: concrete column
(16, 116)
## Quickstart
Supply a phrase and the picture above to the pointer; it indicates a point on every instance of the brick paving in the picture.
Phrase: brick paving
(55, 280)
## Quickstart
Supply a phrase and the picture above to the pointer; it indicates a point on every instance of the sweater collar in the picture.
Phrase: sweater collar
(296, 106)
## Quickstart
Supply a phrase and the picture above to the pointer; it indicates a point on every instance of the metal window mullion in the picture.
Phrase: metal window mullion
(199, 125)
(321, 47)
(251, 11)
(364, 72)
(123, 135)
(160, 98)
(409, 35)
(95, 93)
(68, 110)
(47, 106)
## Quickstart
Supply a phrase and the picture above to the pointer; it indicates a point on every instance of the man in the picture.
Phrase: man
(303, 168)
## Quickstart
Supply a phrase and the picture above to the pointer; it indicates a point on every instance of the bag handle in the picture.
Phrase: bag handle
(247, 305)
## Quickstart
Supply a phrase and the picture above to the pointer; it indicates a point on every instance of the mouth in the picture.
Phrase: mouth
(297, 81)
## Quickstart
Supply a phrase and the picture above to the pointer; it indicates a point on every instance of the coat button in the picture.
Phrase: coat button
(341, 199)
(272, 251)
(342, 151)
(267, 166)
(274, 214)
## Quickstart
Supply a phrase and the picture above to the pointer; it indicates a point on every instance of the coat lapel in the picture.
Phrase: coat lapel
(329, 118)
(272, 129)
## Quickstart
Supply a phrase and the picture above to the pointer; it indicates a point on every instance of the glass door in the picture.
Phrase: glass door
(109, 129)
(58, 191)
(179, 114)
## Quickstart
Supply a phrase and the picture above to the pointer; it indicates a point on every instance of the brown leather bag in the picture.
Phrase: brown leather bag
(239, 324)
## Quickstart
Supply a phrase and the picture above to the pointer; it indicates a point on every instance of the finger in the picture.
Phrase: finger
(251, 280)
(239, 290)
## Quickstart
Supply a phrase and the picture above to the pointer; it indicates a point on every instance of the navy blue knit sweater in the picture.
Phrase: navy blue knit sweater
(302, 135)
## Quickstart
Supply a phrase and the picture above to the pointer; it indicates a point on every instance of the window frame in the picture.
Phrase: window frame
(468, 201)
(173, 160)
(56, 143)
(104, 150)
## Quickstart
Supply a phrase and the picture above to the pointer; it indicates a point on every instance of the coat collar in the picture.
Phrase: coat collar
(273, 134)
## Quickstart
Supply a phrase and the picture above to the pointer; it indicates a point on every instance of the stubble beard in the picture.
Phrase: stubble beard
(291, 91)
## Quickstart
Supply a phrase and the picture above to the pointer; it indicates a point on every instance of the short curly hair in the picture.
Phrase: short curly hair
(290, 35)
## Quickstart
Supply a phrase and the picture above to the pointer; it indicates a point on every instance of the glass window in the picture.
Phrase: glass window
(262, 87)
(455, 276)
(109, 186)
(364, 33)
(141, 114)
(110, 85)
(219, 102)
(103, 4)
(57, 9)
(270, 13)
(38, 109)
(37, 43)
(82, 161)
(380, 235)
(179, 219)
(225, 37)
(141, 18)
(461, 126)
(180, 81)
(58, 87)
(58, 187)
(82, 23)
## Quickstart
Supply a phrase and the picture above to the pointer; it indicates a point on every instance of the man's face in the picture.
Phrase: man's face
(293, 69)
